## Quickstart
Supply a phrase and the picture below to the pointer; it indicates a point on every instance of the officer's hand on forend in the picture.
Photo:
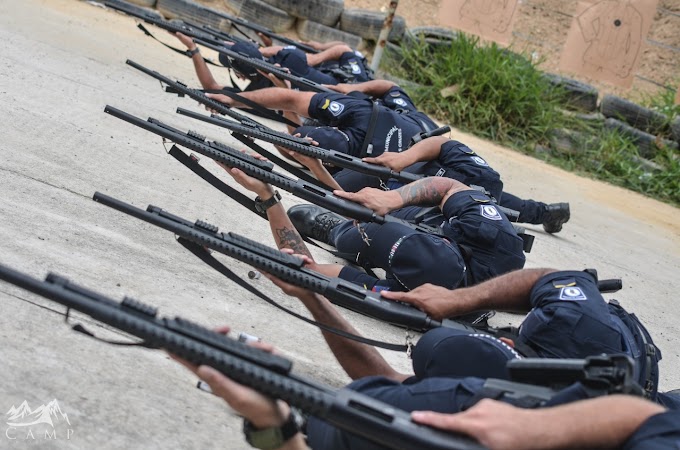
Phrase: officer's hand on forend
(263, 190)
(393, 160)
(382, 202)
(223, 99)
(262, 411)
(494, 424)
(295, 291)
(433, 300)
(186, 40)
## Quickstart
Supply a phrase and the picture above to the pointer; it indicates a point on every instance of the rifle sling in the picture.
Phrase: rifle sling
(264, 112)
(174, 49)
(245, 201)
(367, 147)
(205, 256)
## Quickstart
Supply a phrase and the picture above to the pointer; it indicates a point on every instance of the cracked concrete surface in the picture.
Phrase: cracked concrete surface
(62, 61)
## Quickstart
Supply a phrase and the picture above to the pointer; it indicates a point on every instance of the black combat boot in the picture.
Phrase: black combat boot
(314, 221)
(556, 214)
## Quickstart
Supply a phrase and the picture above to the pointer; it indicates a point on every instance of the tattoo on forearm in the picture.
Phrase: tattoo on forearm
(290, 238)
(426, 192)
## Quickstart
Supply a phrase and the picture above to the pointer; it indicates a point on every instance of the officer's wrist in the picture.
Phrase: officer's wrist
(266, 193)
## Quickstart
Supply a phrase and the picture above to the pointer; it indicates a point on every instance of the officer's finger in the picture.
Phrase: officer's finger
(344, 194)
(450, 422)
(371, 160)
(405, 297)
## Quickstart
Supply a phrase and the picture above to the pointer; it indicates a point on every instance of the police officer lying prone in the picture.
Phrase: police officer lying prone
(492, 246)
(614, 422)
(346, 127)
(567, 318)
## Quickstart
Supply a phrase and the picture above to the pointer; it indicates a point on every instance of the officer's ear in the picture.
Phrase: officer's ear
(507, 341)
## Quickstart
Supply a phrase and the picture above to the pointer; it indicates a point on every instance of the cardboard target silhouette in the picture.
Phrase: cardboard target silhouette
(606, 38)
(490, 19)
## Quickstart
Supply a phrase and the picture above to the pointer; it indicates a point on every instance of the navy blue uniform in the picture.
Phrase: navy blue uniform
(481, 243)
(398, 100)
(351, 67)
(352, 116)
(659, 432)
(582, 324)
(296, 61)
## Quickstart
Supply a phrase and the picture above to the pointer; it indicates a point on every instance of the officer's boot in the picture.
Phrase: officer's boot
(555, 215)
(314, 221)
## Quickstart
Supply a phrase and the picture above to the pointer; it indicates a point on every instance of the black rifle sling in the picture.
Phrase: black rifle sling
(193, 165)
(205, 256)
(367, 147)
(264, 112)
(174, 49)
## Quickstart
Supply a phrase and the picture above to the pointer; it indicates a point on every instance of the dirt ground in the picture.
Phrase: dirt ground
(62, 62)
(541, 28)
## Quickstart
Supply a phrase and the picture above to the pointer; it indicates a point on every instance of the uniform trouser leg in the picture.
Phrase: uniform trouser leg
(530, 211)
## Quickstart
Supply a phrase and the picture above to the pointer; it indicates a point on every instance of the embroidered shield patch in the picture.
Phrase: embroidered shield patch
(490, 212)
(572, 293)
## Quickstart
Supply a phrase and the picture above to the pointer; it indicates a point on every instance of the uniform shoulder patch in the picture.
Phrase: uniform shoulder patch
(326, 104)
(336, 108)
(395, 94)
(479, 161)
(490, 212)
(572, 293)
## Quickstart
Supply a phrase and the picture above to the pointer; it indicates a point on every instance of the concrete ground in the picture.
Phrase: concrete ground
(61, 62)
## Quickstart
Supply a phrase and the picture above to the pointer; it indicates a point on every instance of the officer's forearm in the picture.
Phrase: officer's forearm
(374, 87)
(426, 192)
(508, 292)
(604, 423)
(205, 77)
(426, 150)
(285, 234)
(358, 360)
(282, 99)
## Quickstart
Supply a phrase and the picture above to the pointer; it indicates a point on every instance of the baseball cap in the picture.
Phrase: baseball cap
(445, 352)
(416, 258)
(245, 48)
(328, 138)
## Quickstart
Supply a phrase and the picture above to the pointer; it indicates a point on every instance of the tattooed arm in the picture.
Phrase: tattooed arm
(430, 191)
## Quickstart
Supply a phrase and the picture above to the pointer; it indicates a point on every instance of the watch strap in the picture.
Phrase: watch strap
(191, 53)
(263, 206)
(270, 438)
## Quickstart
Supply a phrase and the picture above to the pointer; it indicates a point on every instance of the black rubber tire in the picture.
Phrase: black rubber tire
(308, 30)
(188, 10)
(645, 142)
(142, 8)
(675, 129)
(433, 36)
(367, 24)
(579, 96)
(566, 142)
(634, 115)
(261, 13)
(325, 12)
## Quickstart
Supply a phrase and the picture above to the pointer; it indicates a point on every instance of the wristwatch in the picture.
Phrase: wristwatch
(263, 206)
(271, 438)
(191, 53)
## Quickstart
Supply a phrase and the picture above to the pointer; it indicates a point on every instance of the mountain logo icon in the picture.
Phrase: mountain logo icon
(23, 416)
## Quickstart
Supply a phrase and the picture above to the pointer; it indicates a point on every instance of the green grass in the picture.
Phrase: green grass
(502, 96)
